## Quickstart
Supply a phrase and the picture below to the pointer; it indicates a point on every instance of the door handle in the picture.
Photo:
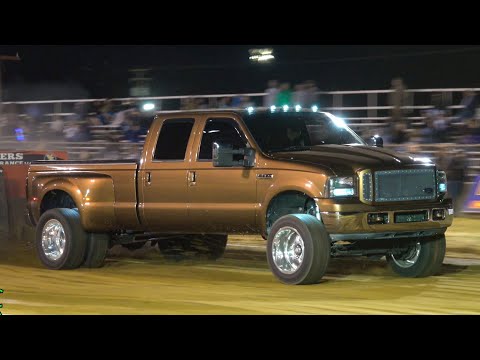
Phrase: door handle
(149, 178)
(192, 177)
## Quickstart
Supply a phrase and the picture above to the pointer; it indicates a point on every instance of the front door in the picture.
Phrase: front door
(222, 200)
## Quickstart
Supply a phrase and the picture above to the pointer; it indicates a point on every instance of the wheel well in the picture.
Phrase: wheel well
(56, 199)
(289, 202)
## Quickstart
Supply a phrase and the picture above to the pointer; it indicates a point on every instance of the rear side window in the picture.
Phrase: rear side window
(173, 139)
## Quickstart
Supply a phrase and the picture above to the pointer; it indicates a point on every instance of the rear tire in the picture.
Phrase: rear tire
(97, 247)
(60, 240)
(423, 258)
(298, 249)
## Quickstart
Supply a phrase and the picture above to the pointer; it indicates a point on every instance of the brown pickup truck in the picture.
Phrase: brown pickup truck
(302, 179)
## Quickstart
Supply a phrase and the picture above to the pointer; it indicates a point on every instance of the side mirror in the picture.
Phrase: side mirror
(375, 141)
(223, 156)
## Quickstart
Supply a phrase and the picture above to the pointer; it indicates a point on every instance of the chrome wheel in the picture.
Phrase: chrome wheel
(409, 258)
(288, 250)
(53, 239)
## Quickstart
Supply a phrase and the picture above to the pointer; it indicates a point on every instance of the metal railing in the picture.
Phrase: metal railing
(360, 108)
(366, 111)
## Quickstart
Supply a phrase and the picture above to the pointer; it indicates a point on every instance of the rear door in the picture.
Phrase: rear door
(163, 176)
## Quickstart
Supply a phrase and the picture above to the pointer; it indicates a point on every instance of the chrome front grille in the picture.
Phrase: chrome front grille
(367, 186)
(404, 185)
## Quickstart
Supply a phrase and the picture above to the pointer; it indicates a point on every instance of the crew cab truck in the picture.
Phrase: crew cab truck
(303, 180)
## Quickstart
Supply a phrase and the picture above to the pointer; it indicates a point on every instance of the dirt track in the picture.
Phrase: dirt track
(241, 283)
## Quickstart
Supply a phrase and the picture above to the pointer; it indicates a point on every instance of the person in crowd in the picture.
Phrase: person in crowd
(311, 97)
(224, 103)
(134, 133)
(440, 125)
(56, 126)
(469, 105)
(70, 131)
(472, 132)
(201, 103)
(236, 102)
(454, 164)
(120, 117)
(188, 104)
(398, 99)
(427, 133)
(83, 133)
(399, 134)
(105, 114)
(300, 95)
(272, 92)
(284, 96)
(111, 151)
(246, 102)
(79, 112)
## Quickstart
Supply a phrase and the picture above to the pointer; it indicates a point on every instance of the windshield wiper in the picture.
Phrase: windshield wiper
(290, 148)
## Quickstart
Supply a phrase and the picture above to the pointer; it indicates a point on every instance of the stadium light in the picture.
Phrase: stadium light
(261, 55)
(148, 107)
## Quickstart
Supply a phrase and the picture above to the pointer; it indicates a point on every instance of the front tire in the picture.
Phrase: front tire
(298, 249)
(60, 240)
(423, 258)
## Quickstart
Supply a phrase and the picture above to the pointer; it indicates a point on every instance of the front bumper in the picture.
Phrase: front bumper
(346, 219)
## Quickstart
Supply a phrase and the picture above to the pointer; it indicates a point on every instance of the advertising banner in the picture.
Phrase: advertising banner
(14, 169)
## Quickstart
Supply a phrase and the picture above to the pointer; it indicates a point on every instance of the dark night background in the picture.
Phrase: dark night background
(78, 71)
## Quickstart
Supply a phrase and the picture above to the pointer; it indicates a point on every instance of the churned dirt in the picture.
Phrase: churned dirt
(143, 282)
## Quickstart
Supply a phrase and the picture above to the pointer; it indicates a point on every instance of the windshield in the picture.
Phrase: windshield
(287, 131)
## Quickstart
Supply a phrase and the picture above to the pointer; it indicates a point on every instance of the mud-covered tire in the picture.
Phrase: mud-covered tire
(210, 245)
(174, 248)
(97, 247)
(424, 258)
(75, 239)
(316, 248)
(135, 245)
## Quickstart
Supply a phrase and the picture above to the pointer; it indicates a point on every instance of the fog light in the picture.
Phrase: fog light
(438, 214)
(378, 218)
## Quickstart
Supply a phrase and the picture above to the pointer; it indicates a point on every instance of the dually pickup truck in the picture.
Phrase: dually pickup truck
(303, 180)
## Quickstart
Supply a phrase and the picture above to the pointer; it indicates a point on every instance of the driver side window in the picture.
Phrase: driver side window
(221, 130)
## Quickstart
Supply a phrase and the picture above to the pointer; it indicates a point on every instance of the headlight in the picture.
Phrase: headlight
(441, 182)
(341, 186)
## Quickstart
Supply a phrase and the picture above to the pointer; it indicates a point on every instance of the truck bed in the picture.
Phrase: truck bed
(108, 188)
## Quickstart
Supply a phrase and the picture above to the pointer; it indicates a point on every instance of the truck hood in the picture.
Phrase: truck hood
(347, 159)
